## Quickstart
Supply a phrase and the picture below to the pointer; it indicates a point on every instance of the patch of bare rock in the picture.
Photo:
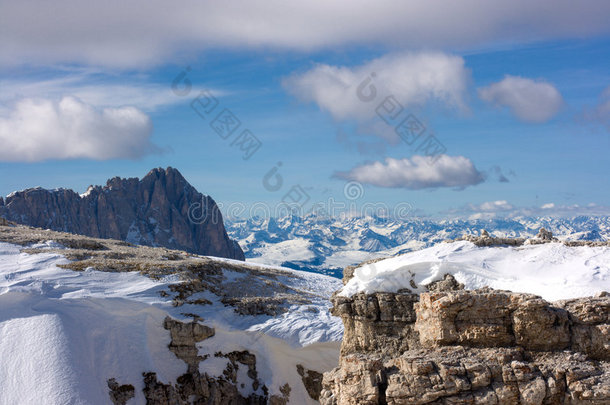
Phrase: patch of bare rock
(453, 346)
(543, 236)
(195, 386)
(258, 290)
(250, 290)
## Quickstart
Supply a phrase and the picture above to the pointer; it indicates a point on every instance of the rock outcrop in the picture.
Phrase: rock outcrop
(453, 346)
(161, 209)
(196, 386)
(312, 380)
(543, 236)
(120, 394)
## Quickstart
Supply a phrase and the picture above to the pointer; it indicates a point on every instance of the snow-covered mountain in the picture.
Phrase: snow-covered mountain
(95, 321)
(325, 245)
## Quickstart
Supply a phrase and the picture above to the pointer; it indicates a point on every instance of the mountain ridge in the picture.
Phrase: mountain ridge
(327, 245)
(156, 210)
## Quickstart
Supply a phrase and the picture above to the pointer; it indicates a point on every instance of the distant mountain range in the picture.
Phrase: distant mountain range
(324, 245)
(161, 209)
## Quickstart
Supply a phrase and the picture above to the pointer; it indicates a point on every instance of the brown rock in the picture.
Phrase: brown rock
(120, 394)
(377, 322)
(185, 337)
(489, 318)
(458, 375)
(470, 347)
(590, 318)
(312, 380)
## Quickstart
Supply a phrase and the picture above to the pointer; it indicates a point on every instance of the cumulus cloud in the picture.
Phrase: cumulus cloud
(412, 78)
(140, 32)
(417, 173)
(529, 100)
(41, 129)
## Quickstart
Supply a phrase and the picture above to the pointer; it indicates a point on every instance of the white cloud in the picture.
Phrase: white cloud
(529, 100)
(547, 206)
(95, 89)
(41, 129)
(492, 206)
(417, 173)
(139, 33)
(413, 78)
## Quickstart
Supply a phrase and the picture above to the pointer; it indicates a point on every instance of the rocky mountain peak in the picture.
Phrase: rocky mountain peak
(161, 209)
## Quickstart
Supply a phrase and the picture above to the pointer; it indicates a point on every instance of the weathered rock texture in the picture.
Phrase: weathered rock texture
(196, 386)
(161, 209)
(452, 346)
(185, 337)
(312, 380)
(120, 394)
(380, 322)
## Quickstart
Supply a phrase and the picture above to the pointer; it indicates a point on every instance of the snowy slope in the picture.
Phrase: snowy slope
(64, 333)
(553, 270)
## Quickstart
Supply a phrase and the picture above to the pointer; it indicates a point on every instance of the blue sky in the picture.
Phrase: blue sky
(522, 113)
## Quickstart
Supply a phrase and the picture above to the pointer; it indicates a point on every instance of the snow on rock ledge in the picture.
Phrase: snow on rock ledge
(552, 270)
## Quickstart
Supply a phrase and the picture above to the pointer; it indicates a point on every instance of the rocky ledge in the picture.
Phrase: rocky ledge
(453, 346)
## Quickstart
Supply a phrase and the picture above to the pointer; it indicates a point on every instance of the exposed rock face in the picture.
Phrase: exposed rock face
(185, 337)
(453, 346)
(590, 325)
(312, 380)
(120, 394)
(380, 322)
(161, 209)
(490, 318)
(459, 375)
(196, 386)
(543, 236)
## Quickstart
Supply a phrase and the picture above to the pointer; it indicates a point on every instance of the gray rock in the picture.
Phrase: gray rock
(544, 235)
(161, 209)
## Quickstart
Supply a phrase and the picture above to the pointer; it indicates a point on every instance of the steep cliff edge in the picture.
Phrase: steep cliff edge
(415, 336)
(471, 347)
(161, 209)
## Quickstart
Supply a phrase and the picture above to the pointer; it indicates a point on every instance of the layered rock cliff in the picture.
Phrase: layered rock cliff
(161, 209)
(453, 346)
